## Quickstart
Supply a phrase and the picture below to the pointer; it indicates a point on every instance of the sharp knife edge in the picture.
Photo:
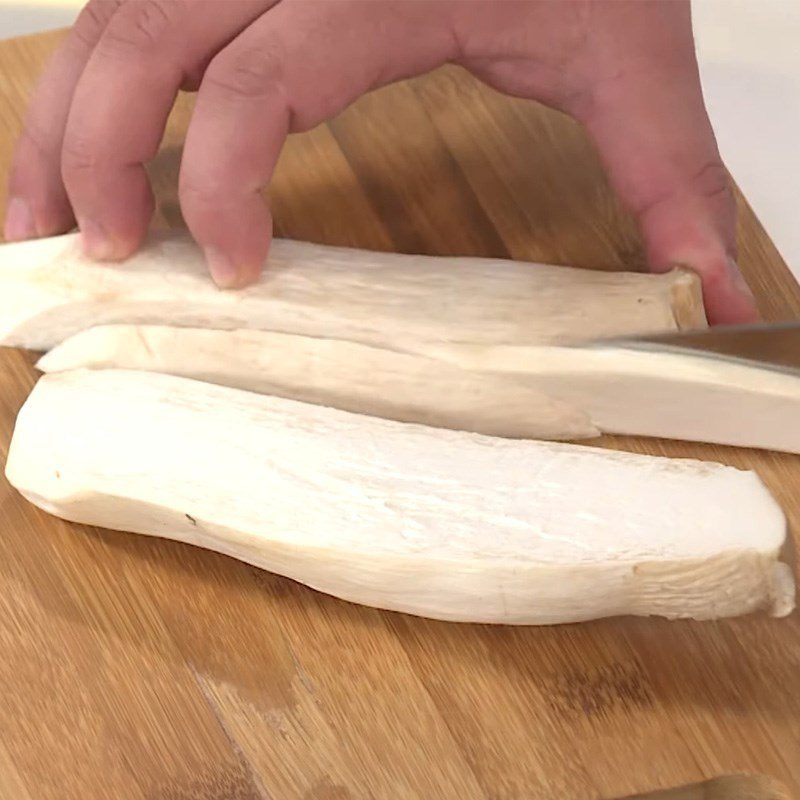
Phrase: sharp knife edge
(774, 346)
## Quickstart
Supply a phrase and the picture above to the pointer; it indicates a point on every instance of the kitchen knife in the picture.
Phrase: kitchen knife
(766, 345)
(735, 385)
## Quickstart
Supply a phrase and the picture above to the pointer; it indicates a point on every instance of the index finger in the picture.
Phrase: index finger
(38, 203)
(120, 109)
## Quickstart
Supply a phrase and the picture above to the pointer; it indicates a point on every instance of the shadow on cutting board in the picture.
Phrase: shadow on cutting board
(732, 787)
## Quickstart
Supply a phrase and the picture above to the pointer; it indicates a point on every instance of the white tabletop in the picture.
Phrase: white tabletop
(750, 69)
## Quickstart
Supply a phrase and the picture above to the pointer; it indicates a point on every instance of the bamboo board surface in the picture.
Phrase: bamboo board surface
(148, 670)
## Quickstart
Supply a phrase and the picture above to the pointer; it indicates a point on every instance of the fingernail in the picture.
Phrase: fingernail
(95, 240)
(223, 271)
(738, 281)
(19, 221)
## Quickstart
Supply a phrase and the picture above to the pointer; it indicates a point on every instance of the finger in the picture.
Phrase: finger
(38, 203)
(650, 124)
(294, 67)
(120, 108)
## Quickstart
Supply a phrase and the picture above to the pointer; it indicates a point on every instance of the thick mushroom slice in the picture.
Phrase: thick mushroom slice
(538, 391)
(49, 291)
(438, 523)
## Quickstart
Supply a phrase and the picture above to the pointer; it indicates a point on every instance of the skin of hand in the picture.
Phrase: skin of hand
(625, 69)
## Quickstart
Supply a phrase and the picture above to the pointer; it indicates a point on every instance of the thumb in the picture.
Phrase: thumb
(650, 125)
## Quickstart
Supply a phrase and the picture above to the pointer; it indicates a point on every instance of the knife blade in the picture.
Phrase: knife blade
(774, 346)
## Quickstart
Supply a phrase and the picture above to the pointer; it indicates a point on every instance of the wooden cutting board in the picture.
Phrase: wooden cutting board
(147, 670)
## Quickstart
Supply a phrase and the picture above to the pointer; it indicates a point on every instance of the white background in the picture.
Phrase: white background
(749, 53)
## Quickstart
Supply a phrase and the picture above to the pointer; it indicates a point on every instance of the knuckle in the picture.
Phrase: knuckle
(39, 139)
(249, 72)
(93, 20)
(78, 155)
(197, 191)
(712, 180)
(141, 26)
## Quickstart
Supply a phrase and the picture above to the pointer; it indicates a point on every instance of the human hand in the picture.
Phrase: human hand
(264, 68)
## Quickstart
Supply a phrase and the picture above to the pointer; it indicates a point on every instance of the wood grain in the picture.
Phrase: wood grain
(137, 668)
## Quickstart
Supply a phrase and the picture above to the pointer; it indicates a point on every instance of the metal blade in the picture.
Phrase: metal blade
(772, 345)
